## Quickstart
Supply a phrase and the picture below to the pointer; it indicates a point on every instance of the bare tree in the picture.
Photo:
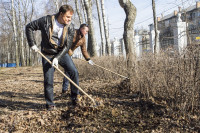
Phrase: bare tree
(53, 6)
(6, 34)
(128, 35)
(15, 34)
(101, 29)
(27, 16)
(84, 12)
(13, 28)
(155, 26)
(78, 12)
(21, 33)
(57, 6)
(108, 45)
(92, 41)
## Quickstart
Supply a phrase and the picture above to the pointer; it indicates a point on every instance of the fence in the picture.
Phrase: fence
(8, 65)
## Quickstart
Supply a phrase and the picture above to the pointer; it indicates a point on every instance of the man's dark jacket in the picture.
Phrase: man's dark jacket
(45, 25)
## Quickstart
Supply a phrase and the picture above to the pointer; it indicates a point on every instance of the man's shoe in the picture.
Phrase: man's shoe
(76, 100)
(51, 107)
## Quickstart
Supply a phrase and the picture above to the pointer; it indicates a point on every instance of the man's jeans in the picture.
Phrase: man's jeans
(65, 80)
(48, 71)
(65, 84)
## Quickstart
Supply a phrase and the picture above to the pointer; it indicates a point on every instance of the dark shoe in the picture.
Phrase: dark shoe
(51, 107)
(76, 100)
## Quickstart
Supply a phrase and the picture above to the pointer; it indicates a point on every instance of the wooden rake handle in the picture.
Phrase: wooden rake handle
(111, 71)
(108, 70)
(67, 78)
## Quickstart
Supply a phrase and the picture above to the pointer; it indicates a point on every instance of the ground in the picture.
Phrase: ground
(22, 107)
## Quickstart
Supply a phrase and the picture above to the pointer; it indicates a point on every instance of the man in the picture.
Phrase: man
(57, 34)
(78, 40)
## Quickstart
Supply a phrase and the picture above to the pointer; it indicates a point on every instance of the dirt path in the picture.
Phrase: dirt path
(22, 107)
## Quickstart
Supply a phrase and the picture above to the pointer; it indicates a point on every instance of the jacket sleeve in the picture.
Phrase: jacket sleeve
(69, 42)
(33, 26)
(84, 51)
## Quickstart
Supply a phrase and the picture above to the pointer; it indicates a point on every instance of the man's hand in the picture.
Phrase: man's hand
(90, 62)
(34, 48)
(55, 62)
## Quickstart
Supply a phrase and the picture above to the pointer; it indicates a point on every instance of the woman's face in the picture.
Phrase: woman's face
(84, 30)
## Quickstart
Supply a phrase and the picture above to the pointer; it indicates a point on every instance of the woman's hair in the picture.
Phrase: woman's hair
(83, 26)
(65, 8)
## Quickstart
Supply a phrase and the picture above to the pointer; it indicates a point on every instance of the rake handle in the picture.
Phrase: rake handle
(108, 70)
(67, 77)
(111, 71)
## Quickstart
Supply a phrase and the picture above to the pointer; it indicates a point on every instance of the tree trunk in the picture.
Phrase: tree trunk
(26, 17)
(8, 57)
(108, 45)
(128, 35)
(21, 33)
(15, 34)
(91, 33)
(84, 12)
(56, 3)
(155, 27)
(78, 12)
(29, 53)
(101, 29)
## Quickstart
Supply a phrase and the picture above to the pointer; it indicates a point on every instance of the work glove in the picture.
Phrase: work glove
(55, 62)
(90, 62)
(34, 48)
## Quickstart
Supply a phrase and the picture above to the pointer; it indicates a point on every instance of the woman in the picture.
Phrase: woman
(78, 40)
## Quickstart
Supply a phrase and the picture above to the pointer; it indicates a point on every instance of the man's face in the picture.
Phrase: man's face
(66, 17)
(84, 30)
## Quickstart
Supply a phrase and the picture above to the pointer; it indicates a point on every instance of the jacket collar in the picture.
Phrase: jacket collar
(51, 32)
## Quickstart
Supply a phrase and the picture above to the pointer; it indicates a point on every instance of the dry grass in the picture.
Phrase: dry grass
(115, 64)
(173, 77)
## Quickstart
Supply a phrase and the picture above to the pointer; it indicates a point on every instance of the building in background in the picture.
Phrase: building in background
(166, 25)
(116, 47)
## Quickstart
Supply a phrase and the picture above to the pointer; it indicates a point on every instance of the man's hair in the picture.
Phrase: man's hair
(83, 26)
(65, 8)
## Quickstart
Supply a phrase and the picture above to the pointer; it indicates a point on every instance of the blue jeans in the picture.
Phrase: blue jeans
(65, 80)
(65, 84)
(48, 71)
